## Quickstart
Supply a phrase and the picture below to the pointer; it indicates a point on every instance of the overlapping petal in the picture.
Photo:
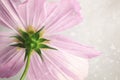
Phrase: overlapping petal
(29, 12)
(57, 66)
(39, 13)
(11, 62)
(66, 66)
(5, 39)
(8, 17)
(11, 59)
(16, 14)
(71, 47)
(39, 70)
(62, 15)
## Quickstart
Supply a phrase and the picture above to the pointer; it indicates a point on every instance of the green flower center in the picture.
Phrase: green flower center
(31, 41)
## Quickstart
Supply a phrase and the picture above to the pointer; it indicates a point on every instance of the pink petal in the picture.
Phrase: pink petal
(62, 15)
(57, 66)
(11, 61)
(39, 70)
(66, 66)
(71, 47)
(8, 17)
(29, 12)
(5, 39)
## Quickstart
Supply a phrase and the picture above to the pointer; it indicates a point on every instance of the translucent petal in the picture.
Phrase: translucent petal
(66, 66)
(62, 15)
(39, 70)
(11, 61)
(68, 46)
(29, 11)
(57, 66)
(8, 16)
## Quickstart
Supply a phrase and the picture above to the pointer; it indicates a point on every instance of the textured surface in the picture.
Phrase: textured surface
(100, 29)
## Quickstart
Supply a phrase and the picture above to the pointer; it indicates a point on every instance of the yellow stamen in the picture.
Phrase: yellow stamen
(30, 29)
(42, 33)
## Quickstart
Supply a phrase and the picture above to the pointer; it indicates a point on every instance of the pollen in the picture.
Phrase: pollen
(30, 29)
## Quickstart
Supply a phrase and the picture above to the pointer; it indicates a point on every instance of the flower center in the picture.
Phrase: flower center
(31, 40)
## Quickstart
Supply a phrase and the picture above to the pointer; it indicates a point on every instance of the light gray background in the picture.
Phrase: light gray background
(101, 29)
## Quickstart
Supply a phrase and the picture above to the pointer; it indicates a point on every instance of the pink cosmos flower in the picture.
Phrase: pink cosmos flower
(34, 41)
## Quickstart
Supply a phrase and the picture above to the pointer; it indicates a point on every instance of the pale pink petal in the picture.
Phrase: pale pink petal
(8, 17)
(71, 47)
(29, 11)
(11, 58)
(5, 39)
(39, 13)
(11, 61)
(62, 15)
(39, 70)
(66, 66)
(57, 66)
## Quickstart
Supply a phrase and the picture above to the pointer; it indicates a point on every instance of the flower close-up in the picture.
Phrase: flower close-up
(32, 40)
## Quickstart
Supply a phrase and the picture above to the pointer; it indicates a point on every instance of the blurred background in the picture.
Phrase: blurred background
(101, 29)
